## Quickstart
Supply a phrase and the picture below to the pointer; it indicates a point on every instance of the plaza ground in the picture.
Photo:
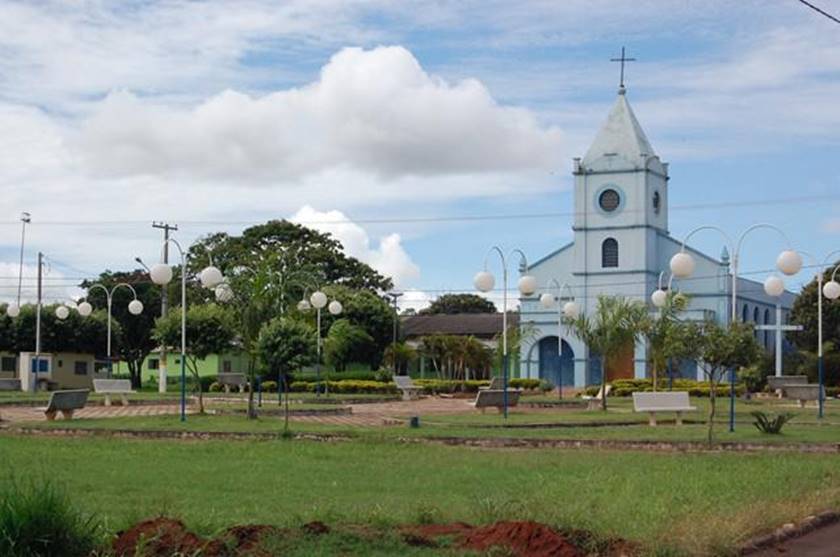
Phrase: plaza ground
(671, 502)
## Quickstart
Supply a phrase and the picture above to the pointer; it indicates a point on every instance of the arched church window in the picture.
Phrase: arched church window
(745, 315)
(657, 202)
(609, 200)
(766, 332)
(756, 317)
(609, 253)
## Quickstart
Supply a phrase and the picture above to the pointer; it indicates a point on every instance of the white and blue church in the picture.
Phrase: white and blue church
(621, 245)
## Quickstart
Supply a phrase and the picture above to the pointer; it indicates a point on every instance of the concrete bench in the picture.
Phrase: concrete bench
(228, 380)
(9, 384)
(409, 390)
(66, 402)
(495, 398)
(496, 384)
(108, 387)
(803, 393)
(779, 383)
(670, 401)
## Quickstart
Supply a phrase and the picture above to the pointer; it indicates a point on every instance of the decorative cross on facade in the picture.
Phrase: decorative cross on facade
(779, 329)
(623, 59)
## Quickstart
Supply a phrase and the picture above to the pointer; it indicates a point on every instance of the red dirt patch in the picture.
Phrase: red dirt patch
(239, 540)
(523, 538)
(316, 528)
(158, 537)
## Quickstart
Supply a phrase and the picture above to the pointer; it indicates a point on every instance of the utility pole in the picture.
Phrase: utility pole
(164, 300)
(25, 218)
(36, 362)
(394, 297)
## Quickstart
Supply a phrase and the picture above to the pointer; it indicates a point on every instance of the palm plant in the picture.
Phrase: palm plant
(615, 324)
(664, 334)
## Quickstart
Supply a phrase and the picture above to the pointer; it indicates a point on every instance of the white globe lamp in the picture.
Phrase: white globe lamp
(682, 265)
(224, 293)
(571, 310)
(527, 284)
(135, 307)
(161, 274)
(659, 298)
(84, 309)
(484, 281)
(13, 310)
(62, 312)
(831, 290)
(789, 262)
(335, 307)
(211, 277)
(774, 286)
(547, 300)
(304, 305)
(318, 300)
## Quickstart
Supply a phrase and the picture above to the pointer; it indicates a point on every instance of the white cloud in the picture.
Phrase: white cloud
(375, 111)
(388, 257)
(56, 287)
(415, 300)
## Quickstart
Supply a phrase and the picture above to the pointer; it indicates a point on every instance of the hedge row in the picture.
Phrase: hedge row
(435, 386)
(626, 387)
(429, 386)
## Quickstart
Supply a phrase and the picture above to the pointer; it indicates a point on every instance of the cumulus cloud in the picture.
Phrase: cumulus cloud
(376, 111)
(388, 256)
(56, 287)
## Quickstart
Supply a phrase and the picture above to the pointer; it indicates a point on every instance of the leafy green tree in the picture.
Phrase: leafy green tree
(286, 345)
(209, 331)
(804, 312)
(84, 335)
(664, 332)
(459, 303)
(134, 337)
(719, 349)
(398, 357)
(347, 343)
(367, 310)
(615, 324)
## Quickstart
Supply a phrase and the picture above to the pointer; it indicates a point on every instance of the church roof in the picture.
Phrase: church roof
(621, 135)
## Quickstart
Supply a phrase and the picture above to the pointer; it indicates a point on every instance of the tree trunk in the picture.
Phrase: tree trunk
(252, 409)
(712, 401)
(134, 368)
(286, 410)
(654, 373)
(604, 383)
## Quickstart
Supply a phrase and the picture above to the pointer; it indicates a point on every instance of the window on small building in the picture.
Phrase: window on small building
(153, 363)
(60, 363)
(8, 363)
(226, 366)
(657, 202)
(80, 367)
(609, 253)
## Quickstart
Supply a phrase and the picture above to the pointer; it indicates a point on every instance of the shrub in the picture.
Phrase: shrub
(527, 384)
(772, 425)
(348, 375)
(269, 386)
(626, 387)
(38, 519)
(215, 387)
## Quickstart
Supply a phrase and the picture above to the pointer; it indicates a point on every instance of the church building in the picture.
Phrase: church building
(621, 245)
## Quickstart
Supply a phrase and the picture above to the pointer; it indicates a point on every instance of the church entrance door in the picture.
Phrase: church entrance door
(554, 367)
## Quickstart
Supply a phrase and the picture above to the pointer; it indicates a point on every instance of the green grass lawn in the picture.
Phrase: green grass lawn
(694, 502)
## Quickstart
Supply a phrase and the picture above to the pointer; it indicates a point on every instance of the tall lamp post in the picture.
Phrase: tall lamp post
(485, 281)
(319, 301)
(659, 298)
(682, 266)
(161, 274)
(135, 307)
(831, 290)
(568, 310)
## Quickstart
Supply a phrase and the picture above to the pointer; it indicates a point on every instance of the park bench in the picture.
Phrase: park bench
(803, 393)
(779, 383)
(228, 380)
(594, 402)
(108, 387)
(669, 401)
(9, 384)
(496, 384)
(409, 390)
(495, 398)
(66, 402)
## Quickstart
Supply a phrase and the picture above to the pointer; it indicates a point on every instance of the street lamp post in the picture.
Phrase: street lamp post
(659, 298)
(319, 301)
(831, 290)
(484, 282)
(161, 274)
(682, 266)
(135, 307)
(568, 310)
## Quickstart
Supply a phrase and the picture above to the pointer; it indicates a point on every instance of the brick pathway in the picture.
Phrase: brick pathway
(36, 414)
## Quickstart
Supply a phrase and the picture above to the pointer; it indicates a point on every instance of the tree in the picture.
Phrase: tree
(347, 343)
(134, 337)
(719, 349)
(209, 331)
(615, 325)
(455, 356)
(367, 310)
(286, 345)
(84, 335)
(398, 357)
(664, 333)
(459, 303)
(804, 312)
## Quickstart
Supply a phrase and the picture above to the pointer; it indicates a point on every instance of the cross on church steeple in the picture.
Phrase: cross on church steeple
(623, 59)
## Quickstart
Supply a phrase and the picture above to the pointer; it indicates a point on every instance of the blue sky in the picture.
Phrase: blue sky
(117, 114)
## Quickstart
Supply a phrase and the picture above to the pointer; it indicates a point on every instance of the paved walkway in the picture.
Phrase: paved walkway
(36, 414)
(824, 542)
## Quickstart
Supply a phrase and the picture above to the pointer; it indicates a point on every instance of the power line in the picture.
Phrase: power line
(820, 11)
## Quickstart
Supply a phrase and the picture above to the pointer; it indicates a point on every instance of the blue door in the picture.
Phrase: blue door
(559, 368)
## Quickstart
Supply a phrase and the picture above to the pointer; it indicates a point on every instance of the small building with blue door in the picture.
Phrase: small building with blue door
(621, 245)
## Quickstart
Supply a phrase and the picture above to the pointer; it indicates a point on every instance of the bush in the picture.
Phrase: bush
(215, 387)
(347, 387)
(765, 424)
(269, 386)
(38, 519)
(348, 375)
(626, 387)
(527, 384)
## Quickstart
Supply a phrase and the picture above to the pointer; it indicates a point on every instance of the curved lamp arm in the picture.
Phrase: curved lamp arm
(756, 227)
(729, 242)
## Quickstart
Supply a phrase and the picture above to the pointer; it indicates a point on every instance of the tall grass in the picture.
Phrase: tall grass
(37, 519)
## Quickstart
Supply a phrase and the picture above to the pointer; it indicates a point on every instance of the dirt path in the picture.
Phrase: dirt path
(824, 542)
